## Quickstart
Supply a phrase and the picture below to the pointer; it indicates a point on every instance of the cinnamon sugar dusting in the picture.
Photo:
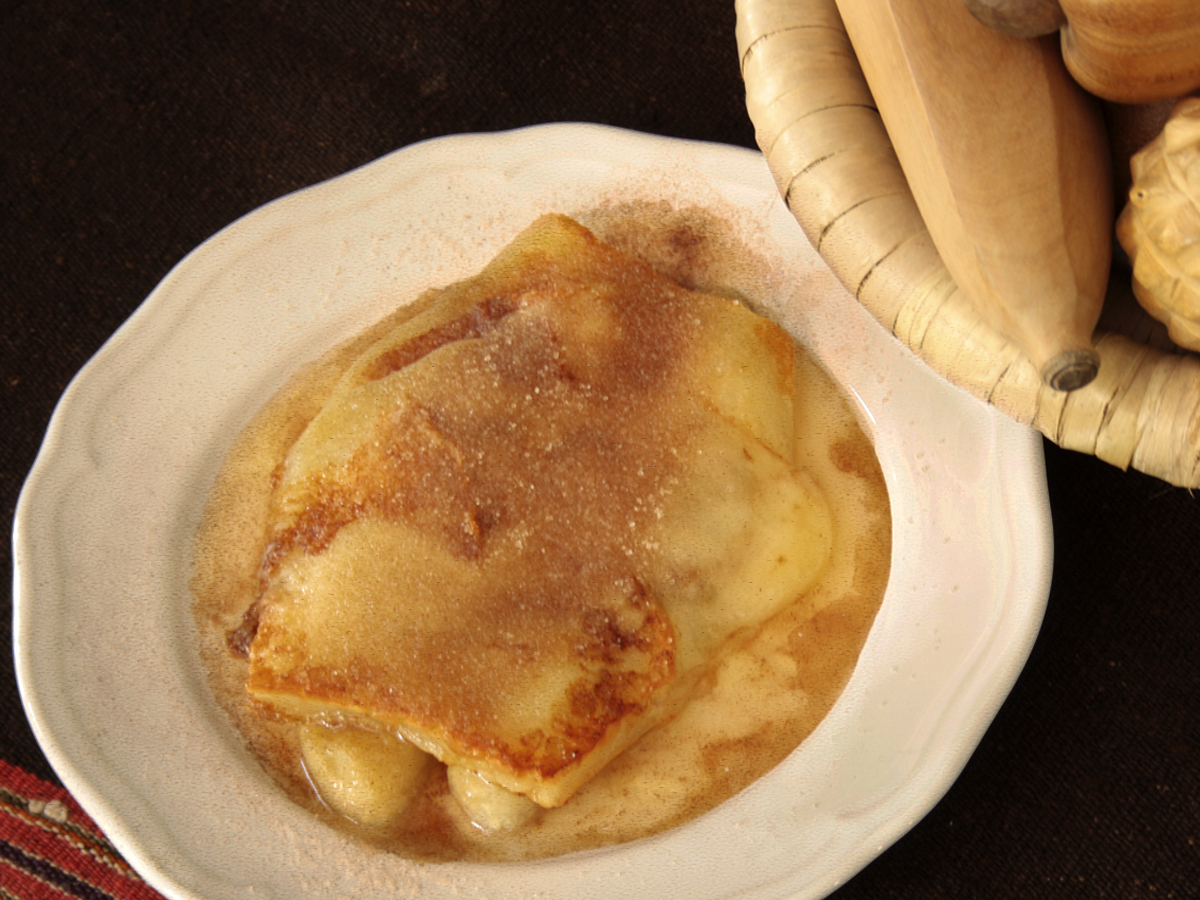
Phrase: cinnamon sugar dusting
(552, 451)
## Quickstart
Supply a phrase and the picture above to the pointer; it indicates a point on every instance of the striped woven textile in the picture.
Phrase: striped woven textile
(50, 849)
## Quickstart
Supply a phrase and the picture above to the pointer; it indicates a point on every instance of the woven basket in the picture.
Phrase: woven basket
(828, 150)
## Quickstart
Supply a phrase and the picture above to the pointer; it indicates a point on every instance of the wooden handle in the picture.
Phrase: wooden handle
(1009, 164)
(1133, 51)
(1130, 51)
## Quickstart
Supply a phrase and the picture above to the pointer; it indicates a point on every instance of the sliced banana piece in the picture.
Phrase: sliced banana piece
(489, 807)
(368, 777)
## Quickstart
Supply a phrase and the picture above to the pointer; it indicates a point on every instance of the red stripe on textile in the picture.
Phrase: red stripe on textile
(19, 884)
(50, 845)
(47, 824)
(48, 873)
(57, 821)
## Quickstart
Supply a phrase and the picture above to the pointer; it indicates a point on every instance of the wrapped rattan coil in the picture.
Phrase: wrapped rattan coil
(833, 161)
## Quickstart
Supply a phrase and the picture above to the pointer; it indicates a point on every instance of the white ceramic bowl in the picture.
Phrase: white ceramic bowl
(105, 643)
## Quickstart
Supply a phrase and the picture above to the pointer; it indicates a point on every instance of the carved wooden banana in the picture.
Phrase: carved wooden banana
(1008, 161)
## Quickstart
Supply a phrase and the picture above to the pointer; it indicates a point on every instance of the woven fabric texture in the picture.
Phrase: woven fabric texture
(50, 848)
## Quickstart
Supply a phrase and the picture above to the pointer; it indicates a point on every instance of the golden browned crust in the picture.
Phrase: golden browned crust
(474, 568)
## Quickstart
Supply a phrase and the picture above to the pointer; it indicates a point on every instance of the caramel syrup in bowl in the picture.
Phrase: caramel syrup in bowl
(770, 689)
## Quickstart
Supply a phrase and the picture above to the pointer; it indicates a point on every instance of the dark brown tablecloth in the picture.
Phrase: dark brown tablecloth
(131, 132)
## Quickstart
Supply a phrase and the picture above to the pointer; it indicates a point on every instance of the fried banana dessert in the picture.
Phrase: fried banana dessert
(526, 521)
(560, 556)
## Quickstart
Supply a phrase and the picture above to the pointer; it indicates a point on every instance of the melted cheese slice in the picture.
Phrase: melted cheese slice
(528, 519)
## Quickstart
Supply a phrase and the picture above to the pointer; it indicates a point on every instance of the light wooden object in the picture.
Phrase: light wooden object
(1130, 51)
(1160, 226)
(1019, 18)
(1008, 161)
(838, 172)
